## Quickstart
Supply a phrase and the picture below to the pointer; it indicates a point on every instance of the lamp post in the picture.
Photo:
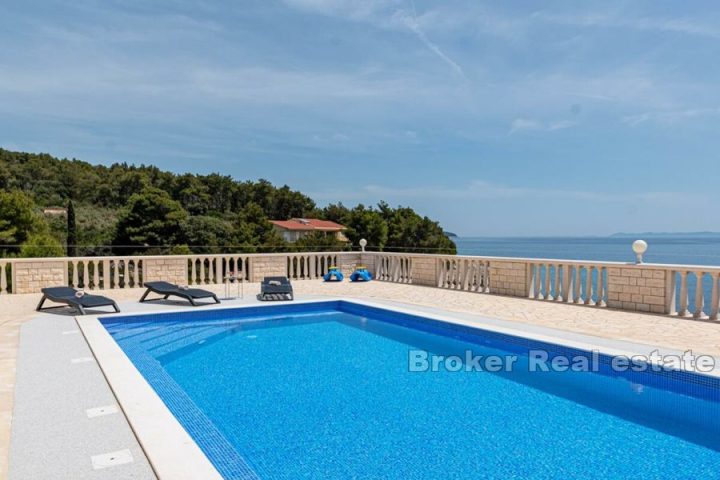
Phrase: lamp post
(639, 247)
(363, 244)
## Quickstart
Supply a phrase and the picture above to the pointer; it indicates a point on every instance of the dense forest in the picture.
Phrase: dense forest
(124, 209)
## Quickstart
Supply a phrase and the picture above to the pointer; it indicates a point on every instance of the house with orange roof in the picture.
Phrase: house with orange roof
(296, 228)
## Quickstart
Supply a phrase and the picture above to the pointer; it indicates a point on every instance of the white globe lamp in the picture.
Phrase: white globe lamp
(363, 244)
(639, 247)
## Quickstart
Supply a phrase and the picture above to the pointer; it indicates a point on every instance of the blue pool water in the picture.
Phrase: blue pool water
(324, 391)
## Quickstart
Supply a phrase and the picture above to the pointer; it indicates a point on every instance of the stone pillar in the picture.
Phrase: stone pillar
(33, 276)
(424, 271)
(348, 261)
(368, 259)
(508, 278)
(268, 266)
(173, 270)
(637, 289)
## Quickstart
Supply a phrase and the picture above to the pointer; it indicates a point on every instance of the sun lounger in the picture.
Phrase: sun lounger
(167, 289)
(68, 296)
(276, 288)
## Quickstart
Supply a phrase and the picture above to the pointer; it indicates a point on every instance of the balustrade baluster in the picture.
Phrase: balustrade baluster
(715, 294)
(486, 277)
(218, 263)
(683, 310)
(96, 275)
(75, 274)
(588, 284)
(116, 273)
(600, 293)
(699, 296)
(86, 275)
(472, 276)
(106, 274)
(545, 294)
(537, 286)
(3, 278)
(567, 283)
(136, 273)
(578, 284)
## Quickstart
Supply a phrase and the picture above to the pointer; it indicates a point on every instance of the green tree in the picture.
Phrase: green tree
(72, 238)
(365, 222)
(336, 212)
(41, 245)
(254, 233)
(320, 242)
(409, 231)
(285, 203)
(205, 234)
(192, 194)
(151, 219)
(96, 228)
(101, 196)
(18, 218)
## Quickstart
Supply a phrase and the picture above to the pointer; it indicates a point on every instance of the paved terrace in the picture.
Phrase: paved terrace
(654, 330)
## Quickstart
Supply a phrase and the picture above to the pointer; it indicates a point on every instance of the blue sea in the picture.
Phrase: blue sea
(694, 250)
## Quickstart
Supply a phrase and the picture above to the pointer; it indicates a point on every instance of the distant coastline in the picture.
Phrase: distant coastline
(614, 235)
(666, 234)
(670, 249)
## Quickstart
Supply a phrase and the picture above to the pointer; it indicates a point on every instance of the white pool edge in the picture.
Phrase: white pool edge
(172, 452)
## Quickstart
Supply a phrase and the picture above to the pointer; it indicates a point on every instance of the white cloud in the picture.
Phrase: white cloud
(687, 26)
(561, 124)
(387, 14)
(520, 124)
(354, 9)
(524, 124)
(480, 189)
(410, 20)
(669, 117)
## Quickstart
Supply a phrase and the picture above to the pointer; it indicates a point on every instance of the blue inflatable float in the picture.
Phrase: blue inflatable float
(360, 274)
(333, 275)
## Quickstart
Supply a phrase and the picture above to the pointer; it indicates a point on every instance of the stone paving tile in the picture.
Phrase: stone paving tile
(672, 332)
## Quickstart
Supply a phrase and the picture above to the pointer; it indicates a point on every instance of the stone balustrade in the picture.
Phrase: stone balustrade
(682, 290)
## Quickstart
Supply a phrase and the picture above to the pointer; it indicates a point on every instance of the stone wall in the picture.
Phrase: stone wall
(508, 278)
(368, 259)
(347, 263)
(173, 270)
(270, 266)
(637, 289)
(424, 271)
(31, 277)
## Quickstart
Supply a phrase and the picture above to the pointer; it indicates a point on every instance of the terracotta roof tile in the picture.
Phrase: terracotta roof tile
(308, 224)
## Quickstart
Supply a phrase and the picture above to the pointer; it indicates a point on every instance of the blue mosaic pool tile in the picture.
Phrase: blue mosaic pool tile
(226, 459)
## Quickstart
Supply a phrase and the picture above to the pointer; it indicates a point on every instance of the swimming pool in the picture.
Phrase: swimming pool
(325, 390)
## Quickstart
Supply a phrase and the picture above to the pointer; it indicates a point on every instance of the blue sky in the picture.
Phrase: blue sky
(497, 118)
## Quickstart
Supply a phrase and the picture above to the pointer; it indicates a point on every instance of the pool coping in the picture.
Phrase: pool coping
(172, 452)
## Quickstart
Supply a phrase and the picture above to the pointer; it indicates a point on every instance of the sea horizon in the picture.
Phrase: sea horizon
(666, 249)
